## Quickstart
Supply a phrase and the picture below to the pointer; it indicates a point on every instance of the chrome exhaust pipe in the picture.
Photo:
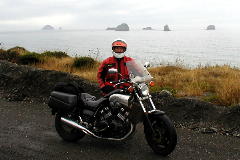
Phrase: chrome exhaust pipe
(86, 131)
(76, 125)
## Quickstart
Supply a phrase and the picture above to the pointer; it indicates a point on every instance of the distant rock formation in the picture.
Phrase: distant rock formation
(211, 27)
(147, 28)
(111, 28)
(59, 28)
(122, 27)
(166, 28)
(48, 27)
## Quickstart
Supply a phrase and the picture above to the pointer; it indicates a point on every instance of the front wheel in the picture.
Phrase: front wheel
(164, 138)
(67, 132)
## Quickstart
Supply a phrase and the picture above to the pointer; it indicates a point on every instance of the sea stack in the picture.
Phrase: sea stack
(166, 28)
(122, 27)
(48, 27)
(211, 27)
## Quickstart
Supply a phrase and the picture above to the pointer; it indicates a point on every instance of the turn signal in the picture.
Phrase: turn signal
(151, 83)
(130, 89)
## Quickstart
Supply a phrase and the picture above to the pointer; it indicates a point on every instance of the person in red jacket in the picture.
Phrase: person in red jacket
(117, 61)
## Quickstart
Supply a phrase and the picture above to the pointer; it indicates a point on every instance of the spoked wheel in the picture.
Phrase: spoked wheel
(67, 132)
(164, 138)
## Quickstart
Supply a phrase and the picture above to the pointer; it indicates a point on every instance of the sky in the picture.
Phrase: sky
(100, 14)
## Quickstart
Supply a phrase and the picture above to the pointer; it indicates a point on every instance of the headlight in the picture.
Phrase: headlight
(144, 89)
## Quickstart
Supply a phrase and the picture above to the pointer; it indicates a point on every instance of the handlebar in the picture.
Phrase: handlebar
(120, 81)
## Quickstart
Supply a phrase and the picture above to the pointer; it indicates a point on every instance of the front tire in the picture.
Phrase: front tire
(67, 132)
(164, 138)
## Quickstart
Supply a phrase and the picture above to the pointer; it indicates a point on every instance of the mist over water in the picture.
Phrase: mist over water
(190, 48)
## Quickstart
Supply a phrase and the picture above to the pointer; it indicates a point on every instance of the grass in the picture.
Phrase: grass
(66, 64)
(216, 84)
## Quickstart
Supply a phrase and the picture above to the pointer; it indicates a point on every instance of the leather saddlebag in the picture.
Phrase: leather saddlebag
(62, 101)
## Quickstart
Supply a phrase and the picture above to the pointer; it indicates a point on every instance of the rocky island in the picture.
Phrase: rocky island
(111, 28)
(121, 27)
(48, 27)
(211, 27)
(147, 28)
(166, 28)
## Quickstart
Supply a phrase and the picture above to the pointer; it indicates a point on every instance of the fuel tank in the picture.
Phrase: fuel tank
(122, 99)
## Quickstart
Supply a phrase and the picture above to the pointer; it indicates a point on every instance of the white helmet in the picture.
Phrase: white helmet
(119, 43)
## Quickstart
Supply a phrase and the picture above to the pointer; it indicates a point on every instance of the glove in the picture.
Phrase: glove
(107, 88)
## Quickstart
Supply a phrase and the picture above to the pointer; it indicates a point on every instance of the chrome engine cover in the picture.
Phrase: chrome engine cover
(122, 99)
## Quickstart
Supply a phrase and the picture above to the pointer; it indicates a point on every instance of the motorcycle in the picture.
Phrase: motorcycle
(115, 115)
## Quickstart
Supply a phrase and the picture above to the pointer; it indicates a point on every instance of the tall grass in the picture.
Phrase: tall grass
(67, 65)
(53, 63)
(219, 84)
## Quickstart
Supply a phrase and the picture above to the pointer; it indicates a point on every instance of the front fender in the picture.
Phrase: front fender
(152, 115)
(156, 113)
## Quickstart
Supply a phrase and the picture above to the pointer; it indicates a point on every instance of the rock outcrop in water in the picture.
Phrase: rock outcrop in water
(48, 27)
(147, 28)
(166, 28)
(122, 27)
(111, 28)
(211, 27)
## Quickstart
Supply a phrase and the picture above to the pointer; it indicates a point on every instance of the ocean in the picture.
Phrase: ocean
(190, 48)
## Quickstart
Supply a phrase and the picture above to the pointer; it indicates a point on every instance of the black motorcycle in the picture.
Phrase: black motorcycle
(115, 115)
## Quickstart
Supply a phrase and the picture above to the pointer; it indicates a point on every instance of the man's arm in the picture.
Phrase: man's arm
(101, 74)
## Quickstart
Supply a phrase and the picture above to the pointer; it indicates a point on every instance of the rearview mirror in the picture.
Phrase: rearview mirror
(146, 64)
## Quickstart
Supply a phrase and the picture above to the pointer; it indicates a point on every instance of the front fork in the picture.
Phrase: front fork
(147, 112)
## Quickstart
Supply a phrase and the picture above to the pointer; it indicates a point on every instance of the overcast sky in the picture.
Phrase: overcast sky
(99, 14)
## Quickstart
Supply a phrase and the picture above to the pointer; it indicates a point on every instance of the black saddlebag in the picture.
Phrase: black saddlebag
(62, 101)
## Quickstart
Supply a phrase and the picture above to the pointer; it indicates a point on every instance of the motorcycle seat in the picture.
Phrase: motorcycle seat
(90, 101)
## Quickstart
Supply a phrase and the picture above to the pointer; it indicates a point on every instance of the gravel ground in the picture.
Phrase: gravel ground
(27, 132)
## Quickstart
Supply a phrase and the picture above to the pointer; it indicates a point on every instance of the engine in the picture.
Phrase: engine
(114, 119)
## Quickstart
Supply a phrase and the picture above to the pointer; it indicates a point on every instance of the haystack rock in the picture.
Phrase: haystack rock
(211, 27)
(122, 27)
(48, 27)
(166, 28)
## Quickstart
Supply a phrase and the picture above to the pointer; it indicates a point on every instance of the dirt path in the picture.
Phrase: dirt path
(27, 132)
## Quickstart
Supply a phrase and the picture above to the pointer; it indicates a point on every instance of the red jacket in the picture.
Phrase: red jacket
(104, 77)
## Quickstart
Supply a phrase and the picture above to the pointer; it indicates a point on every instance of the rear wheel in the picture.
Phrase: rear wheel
(164, 138)
(67, 132)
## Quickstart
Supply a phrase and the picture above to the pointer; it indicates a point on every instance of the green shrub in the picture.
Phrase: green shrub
(57, 54)
(2, 54)
(84, 62)
(11, 56)
(19, 50)
(29, 58)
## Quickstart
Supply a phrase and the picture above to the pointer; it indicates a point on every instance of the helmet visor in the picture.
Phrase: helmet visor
(119, 44)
